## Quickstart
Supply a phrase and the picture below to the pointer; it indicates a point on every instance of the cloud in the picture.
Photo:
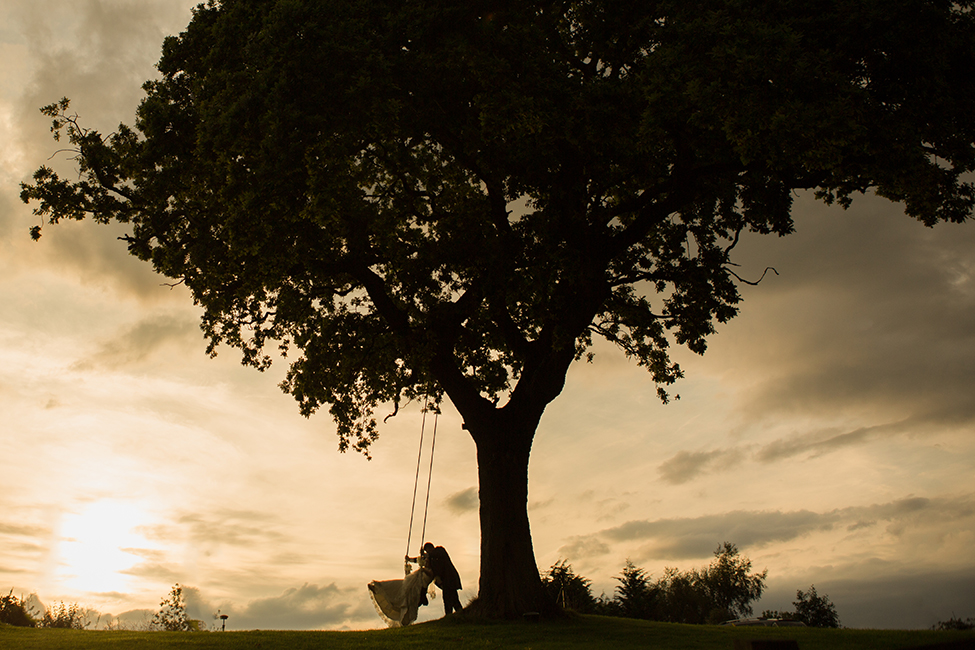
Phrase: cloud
(872, 316)
(876, 593)
(23, 531)
(822, 442)
(298, 608)
(699, 536)
(309, 606)
(304, 607)
(241, 528)
(463, 501)
(140, 342)
(254, 539)
(583, 547)
(693, 537)
(686, 465)
(151, 554)
(156, 571)
(23, 547)
(98, 54)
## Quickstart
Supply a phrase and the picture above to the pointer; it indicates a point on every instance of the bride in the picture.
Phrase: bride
(397, 601)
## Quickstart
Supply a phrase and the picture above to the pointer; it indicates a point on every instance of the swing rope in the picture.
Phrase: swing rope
(416, 480)
(426, 507)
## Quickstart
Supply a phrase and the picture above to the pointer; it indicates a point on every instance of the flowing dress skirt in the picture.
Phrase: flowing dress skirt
(397, 601)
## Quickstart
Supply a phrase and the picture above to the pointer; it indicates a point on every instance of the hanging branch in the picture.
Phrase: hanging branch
(754, 284)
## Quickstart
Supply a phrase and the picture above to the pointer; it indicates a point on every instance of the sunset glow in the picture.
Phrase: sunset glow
(97, 546)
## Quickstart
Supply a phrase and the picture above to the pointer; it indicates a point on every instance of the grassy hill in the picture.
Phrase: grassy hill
(583, 632)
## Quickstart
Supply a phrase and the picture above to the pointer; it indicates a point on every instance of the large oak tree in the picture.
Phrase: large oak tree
(453, 198)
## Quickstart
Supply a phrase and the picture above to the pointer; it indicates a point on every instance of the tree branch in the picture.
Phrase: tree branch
(755, 283)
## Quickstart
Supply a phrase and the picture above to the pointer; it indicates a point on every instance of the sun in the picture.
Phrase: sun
(95, 546)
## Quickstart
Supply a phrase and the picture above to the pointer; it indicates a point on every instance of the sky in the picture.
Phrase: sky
(828, 432)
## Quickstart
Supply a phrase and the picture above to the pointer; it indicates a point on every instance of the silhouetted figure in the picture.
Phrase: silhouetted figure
(397, 601)
(436, 562)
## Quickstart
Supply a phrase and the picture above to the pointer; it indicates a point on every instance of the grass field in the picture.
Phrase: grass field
(584, 632)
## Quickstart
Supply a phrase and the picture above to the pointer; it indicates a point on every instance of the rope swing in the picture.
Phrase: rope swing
(416, 480)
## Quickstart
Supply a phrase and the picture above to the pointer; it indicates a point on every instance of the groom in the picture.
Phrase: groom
(436, 562)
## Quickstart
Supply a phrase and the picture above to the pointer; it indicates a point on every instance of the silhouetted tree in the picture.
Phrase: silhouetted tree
(683, 599)
(172, 614)
(815, 610)
(453, 198)
(569, 590)
(607, 606)
(774, 613)
(723, 590)
(16, 611)
(728, 586)
(636, 597)
(954, 623)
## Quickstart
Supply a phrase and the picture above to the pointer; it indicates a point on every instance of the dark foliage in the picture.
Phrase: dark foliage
(16, 611)
(720, 591)
(815, 610)
(636, 597)
(569, 590)
(774, 613)
(954, 623)
(728, 586)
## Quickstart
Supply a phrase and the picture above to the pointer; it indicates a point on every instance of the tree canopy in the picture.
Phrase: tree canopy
(815, 610)
(444, 198)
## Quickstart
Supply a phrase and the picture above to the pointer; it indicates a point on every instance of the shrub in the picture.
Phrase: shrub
(16, 611)
(955, 624)
(69, 617)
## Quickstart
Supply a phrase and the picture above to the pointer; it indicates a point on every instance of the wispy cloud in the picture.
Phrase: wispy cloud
(162, 573)
(140, 342)
(463, 501)
(241, 528)
(584, 546)
(676, 538)
(687, 465)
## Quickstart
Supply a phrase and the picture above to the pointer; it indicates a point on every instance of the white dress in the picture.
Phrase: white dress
(397, 601)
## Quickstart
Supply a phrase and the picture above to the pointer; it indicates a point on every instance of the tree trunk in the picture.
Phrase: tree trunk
(510, 585)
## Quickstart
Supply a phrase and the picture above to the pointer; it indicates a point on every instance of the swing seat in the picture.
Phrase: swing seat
(398, 601)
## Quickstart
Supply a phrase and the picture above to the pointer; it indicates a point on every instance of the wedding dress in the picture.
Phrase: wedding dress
(397, 601)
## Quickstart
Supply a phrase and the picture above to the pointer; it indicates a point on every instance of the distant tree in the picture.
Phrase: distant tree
(815, 610)
(455, 198)
(723, 590)
(635, 594)
(172, 615)
(607, 606)
(72, 617)
(569, 590)
(783, 615)
(684, 601)
(728, 585)
(16, 611)
(955, 624)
